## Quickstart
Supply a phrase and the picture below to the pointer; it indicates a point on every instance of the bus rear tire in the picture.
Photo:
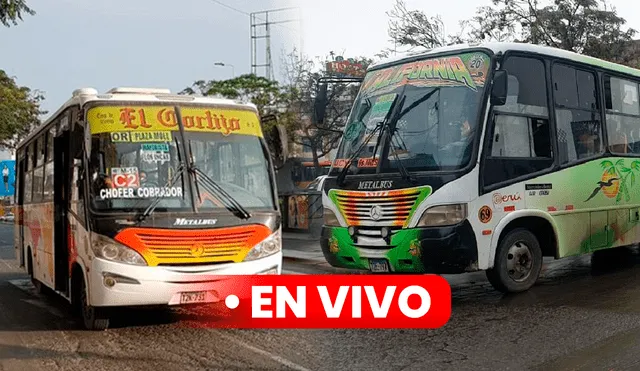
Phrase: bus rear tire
(518, 262)
(94, 319)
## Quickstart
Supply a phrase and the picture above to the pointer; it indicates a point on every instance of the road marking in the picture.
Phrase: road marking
(26, 286)
(7, 264)
(277, 358)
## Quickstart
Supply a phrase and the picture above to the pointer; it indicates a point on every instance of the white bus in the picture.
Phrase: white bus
(142, 197)
(490, 157)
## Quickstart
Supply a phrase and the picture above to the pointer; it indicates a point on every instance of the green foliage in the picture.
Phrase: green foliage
(12, 10)
(304, 77)
(290, 104)
(589, 27)
(269, 97)
(19, 111)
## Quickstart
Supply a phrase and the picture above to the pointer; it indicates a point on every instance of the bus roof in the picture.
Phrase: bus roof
(503, 47)
(82, 96)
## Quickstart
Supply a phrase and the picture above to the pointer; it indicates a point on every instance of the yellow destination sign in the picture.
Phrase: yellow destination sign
(158, 119)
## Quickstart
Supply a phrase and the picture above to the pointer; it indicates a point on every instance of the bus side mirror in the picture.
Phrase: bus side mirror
(499, 88)
(283, 140)
(320, 104)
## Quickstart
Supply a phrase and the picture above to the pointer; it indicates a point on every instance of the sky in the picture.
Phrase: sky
(70, 44)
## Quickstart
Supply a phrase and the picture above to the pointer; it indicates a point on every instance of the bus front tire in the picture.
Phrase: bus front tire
(518, 262)
(94, 319)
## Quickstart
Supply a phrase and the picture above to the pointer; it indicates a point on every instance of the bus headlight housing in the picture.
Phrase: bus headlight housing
(329, 218)
(267, 247)
(108, 249)
(443, 215)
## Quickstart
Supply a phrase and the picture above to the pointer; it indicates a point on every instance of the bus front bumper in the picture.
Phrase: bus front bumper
(438, 250)
(151, 286)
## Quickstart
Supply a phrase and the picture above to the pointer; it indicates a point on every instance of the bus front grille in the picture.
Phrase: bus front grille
(193, 247)
(378, 208)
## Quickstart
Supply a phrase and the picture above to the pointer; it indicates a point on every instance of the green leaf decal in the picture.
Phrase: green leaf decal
(633, 179)
(620, 162)
(635, 165)
(625, 170)
(606, 164)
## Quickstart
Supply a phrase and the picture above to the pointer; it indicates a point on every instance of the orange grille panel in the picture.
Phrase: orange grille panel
(193, 246)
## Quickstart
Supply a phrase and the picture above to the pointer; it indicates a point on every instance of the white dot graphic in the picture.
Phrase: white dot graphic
(232, 302)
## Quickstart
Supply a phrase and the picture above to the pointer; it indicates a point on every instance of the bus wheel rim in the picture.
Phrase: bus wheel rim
(519, 261)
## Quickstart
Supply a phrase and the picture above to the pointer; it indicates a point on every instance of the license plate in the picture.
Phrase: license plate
(378, 265)
(193, 297)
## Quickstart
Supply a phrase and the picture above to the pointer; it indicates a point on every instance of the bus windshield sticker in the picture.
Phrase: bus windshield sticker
(380, 110)
(353, 131)
(142, 136)
(143, 192)
(340, 162)
(125, 177)
(151, 136)
(155, 147)
(120, 137)
(465, 70)
(142, 119)
(368, 162)
(154, 157)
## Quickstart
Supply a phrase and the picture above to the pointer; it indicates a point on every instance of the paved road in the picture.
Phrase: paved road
(574, 319)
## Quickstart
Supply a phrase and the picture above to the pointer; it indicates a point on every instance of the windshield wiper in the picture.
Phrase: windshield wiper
(156, 200)
(394, 122)
(378, 127)
(227, 200)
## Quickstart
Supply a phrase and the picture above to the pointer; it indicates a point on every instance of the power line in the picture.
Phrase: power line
(261, 19)
(230, 7)
(254, 18)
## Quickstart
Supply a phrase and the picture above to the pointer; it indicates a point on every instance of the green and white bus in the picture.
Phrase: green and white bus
(485, 157)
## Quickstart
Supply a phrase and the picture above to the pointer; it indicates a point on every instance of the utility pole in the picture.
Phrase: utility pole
(263, 16)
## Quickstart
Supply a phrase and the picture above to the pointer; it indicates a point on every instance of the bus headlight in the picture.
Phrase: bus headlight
(108, 249)
(444, 215)
(269, 246)
(329, 218)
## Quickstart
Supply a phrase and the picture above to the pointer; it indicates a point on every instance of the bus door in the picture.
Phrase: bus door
(61, 204)
(19, 215)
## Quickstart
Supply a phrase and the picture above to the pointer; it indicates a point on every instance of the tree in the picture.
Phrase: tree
(19, 111)
(584, 26)
(269, 97)
(12, 10)
(304, 79)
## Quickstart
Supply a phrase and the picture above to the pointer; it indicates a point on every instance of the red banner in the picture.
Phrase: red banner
(329, 301)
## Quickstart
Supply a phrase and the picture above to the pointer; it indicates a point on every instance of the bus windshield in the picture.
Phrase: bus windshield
(436, 125)
(136, 153)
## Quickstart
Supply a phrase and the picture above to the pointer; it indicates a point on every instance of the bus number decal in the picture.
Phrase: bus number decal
(485, 214)
(125, 177)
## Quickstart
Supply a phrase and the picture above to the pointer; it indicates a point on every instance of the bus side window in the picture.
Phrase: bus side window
(520, 135)
(623, 115)
(577, 113)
